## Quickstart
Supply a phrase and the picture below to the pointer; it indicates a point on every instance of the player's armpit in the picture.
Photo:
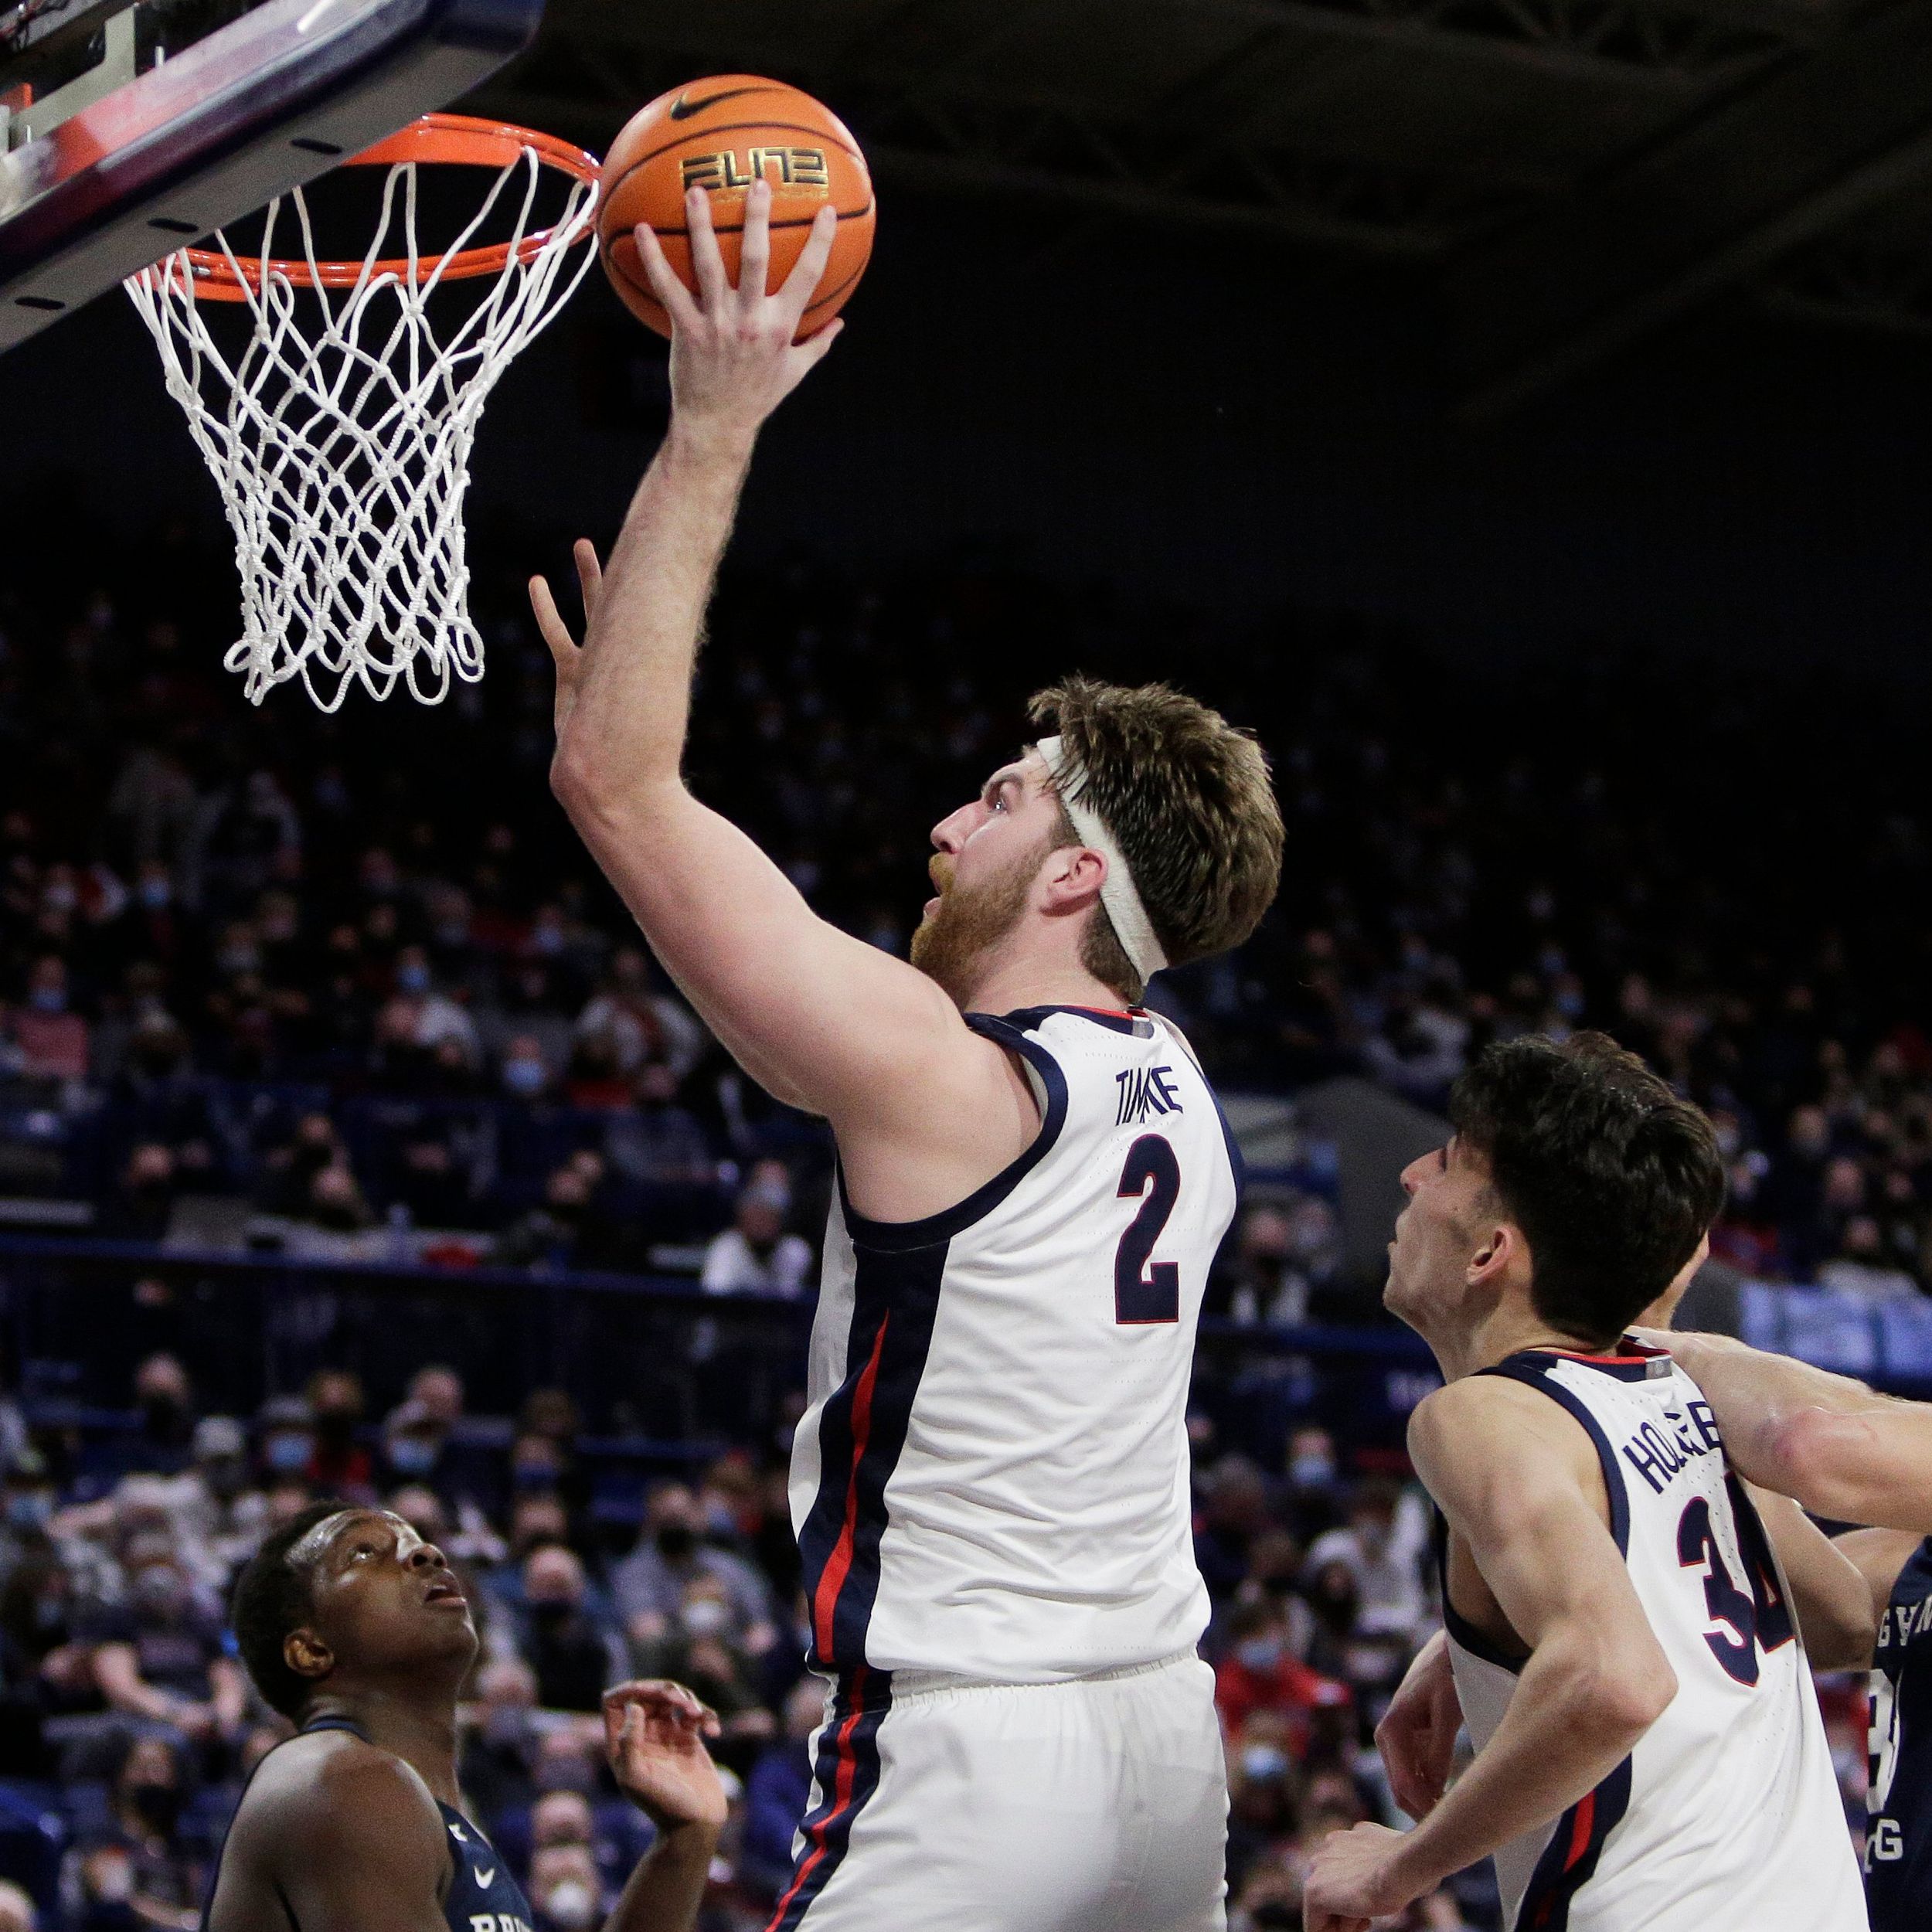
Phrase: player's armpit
(1835, 1614)
(1519, 1483)
(358, 1848)
(1878, 1556)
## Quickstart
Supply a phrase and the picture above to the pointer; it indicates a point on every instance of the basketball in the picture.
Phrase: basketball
(722, 134)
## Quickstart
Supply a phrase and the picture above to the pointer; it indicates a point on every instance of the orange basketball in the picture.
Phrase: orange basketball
(721, 134)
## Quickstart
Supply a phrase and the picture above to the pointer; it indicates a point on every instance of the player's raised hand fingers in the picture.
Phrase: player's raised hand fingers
(754, 246)
(707, 261)
(664, 281)
(550, 621)
(809, 269)
(583, 553)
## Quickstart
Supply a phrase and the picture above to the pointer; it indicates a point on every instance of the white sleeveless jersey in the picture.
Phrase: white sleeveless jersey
(990, 1480)
(1726, 1817)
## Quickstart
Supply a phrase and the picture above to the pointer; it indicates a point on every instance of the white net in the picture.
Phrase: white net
(340, 434)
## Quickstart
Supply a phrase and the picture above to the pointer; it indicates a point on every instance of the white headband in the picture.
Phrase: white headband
(1119, 896)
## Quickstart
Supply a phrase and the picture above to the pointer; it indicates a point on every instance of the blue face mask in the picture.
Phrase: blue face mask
(1261, 1763)
(287, 1453)
(1259, 1653)
(48, 999)
(412, 1456)
(524, 1077)
(413, 979)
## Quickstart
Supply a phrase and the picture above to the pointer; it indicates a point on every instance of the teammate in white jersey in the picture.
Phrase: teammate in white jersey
(1650, 1757)
(991, 1486)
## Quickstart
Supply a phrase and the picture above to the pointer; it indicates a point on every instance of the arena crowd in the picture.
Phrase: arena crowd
(353, 976)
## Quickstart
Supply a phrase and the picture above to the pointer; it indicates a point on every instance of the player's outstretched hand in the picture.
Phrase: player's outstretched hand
(566, 652)
(1350, 1883)
(654, 1733)
(1416, 1736)
(732, 357)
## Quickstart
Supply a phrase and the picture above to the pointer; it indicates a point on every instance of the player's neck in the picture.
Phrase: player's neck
(420, 1730)
(1010, 984)
(1505, 1331)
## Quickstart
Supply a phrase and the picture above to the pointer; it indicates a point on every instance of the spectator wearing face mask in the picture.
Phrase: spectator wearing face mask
(166, 1400)
(617, 1836)
(1264, 1798)
(51, 1037)
(223, 1515)
(340, 1465)
(575, 1653)
(163, 1656)
(1313, 1502)
(650, 1584)
(498, 1760)
(523, 1072)
(1261, 1673)
(1384, 1542)
(285, 1440)
(566, 1889)
(755, 1252)
(132, 1872)
(413, 1438)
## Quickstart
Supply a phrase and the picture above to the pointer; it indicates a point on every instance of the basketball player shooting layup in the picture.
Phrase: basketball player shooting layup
(353, 1627)
(1649, 1756)
(990, 1485)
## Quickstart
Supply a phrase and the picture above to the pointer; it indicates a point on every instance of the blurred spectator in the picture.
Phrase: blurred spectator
(1261, 1672)
(166, 1402)
(338, 1465)
(650, 1584)
(1384, 1545)
(51, 1037)
(756, 1252)
(576, 1655)
(130, 1871)
(16, 1910)
(777, 1791)
(162, 1656)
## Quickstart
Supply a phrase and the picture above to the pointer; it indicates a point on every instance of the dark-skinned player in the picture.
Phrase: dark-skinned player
(358, 1631)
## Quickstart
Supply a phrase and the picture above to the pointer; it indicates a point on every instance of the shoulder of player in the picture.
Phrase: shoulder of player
(332, 1793)
(1466, 1434)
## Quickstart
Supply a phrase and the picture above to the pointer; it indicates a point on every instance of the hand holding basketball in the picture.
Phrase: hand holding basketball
(733, 357)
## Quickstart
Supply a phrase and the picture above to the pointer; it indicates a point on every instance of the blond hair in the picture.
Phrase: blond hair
(1187, 798)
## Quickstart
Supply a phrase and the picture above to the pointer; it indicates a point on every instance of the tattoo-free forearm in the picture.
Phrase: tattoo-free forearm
(665, 1891)
(626, 730)
(1841, 1449)
(1574, 1717)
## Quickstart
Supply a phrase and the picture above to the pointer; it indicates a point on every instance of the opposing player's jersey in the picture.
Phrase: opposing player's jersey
(1725, 1818)
(991, 1480)
(1898, 1842)
(482, 1896)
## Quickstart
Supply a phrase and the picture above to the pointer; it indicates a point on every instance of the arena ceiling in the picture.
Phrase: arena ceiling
(1572, 174)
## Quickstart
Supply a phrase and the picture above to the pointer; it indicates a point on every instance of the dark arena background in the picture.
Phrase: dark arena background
(1519, 414)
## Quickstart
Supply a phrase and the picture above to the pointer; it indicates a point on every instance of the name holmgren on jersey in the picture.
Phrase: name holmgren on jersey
(1727, 1813)
(989, 1483)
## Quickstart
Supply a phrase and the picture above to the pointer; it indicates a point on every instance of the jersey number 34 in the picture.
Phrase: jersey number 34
(1746, 1620)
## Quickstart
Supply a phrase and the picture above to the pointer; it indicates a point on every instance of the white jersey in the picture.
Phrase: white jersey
(1726, 1817)
(991, 1480)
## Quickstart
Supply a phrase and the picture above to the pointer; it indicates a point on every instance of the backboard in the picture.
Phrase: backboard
(130, 127)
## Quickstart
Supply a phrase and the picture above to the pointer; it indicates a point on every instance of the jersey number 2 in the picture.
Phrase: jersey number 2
(1143, 1289)
(1746, 1621)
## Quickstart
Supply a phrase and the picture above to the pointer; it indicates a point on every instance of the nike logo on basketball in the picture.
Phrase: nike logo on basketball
(483, 1875)
(683, 108)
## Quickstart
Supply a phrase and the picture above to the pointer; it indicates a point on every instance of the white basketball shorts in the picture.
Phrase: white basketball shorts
(1097, 1805)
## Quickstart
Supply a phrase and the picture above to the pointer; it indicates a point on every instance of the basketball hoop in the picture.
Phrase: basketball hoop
(340, 435)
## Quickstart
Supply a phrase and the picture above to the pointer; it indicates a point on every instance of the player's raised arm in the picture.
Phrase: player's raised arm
(1520, 1483)
(1841, 1449)
(821, 1018)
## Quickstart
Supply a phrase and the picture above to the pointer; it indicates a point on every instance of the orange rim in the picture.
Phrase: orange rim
(453, 140)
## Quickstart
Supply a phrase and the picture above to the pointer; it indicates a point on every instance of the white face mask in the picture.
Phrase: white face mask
(572, 1906)
(706, 1616)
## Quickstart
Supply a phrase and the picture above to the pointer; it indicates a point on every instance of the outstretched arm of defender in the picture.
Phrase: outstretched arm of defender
(1520, 1483)
(1842, 1450)
(821, 1018)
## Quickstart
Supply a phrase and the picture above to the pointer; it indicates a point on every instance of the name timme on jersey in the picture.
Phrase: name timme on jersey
(1726, 1813)
(990, 1482)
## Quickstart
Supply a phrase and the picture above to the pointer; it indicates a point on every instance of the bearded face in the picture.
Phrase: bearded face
(957, 937)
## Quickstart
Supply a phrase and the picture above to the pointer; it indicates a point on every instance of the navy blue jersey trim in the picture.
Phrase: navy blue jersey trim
(898, 1236)
(846, 1773)
(1027, 1018)
(1575, 1849)
(1532, 1370)
(862, 1432)
(1460, 1630)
